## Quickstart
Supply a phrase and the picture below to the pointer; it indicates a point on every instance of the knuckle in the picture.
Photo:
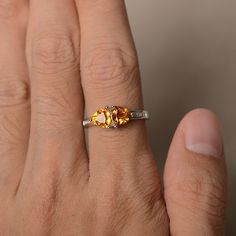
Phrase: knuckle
(11, 138)
(13, 91)
(119, 200)
(110, 197)
(7, 9)
(44, 201)
(109, 66)
(14, 96)
(52, 113)
(54, 52)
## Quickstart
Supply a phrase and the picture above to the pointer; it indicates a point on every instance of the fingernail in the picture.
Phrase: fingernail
(203, 134)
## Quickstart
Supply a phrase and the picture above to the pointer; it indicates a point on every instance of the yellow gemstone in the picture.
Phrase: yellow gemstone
(111, 117)
(102, 118)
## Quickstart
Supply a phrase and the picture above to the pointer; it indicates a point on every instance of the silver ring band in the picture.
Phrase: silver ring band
(139, 115)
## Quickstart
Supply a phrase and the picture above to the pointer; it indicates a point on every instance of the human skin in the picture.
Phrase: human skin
(79, 55)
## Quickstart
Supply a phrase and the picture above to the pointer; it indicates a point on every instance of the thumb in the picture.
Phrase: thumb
(195, 177)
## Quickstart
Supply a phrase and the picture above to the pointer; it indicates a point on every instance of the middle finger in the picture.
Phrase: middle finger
(14, 95)
(110, 76)
(56, 141)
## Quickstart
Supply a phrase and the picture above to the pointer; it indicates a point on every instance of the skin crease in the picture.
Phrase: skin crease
(80, 55)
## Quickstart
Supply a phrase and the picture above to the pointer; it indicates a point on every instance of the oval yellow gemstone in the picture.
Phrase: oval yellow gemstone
(111, 117)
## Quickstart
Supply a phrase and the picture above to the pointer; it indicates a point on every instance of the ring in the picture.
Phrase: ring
(114, 117)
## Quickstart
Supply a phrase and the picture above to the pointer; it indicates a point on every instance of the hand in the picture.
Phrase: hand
(50, 184)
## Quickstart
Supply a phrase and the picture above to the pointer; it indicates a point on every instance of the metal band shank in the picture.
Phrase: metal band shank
(87, 123)
(139, 115)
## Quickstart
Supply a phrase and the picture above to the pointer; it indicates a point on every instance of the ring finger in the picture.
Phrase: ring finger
(110, 76)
